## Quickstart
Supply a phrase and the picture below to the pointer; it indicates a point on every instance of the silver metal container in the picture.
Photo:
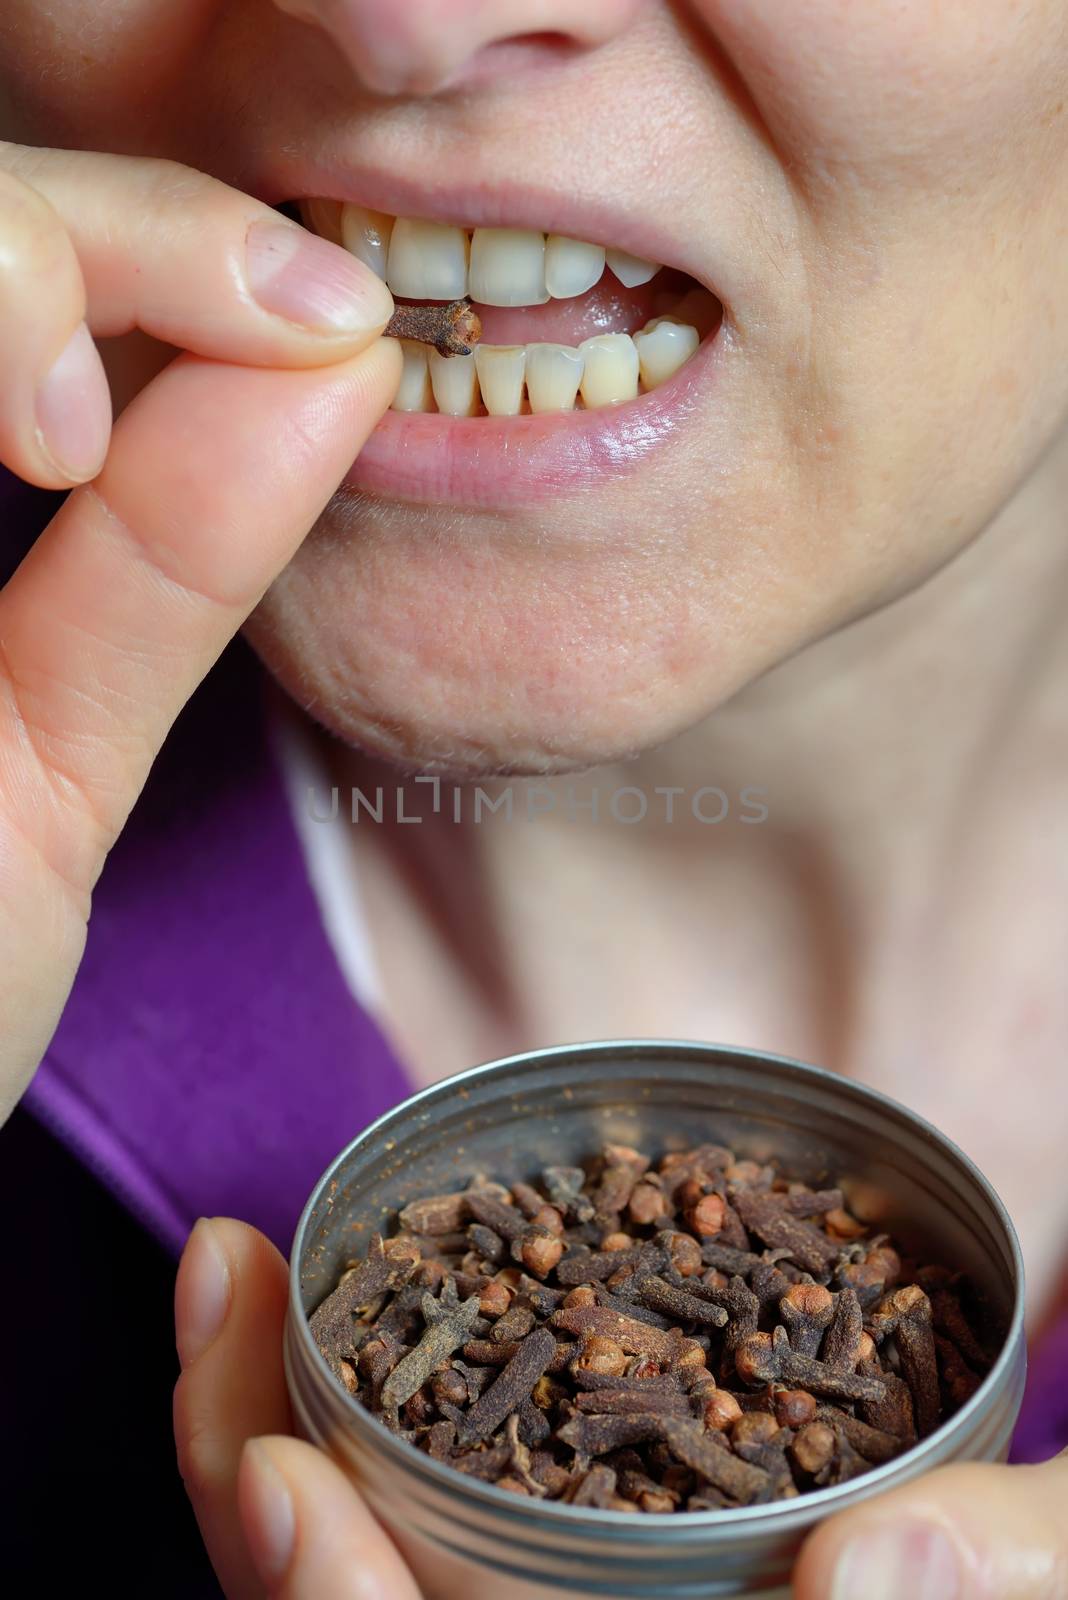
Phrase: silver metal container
(467, 1540)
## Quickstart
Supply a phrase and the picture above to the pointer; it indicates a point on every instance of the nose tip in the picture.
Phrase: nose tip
(395, 47)
(421, 47)
(395, 75)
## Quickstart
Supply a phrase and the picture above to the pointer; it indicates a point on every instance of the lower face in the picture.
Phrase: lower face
(629, 502)
(573, 548)
(483, 549)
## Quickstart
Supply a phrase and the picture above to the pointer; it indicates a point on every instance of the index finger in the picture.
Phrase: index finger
(195, 263)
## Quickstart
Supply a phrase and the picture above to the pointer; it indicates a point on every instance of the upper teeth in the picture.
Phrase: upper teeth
(495, 266)
(427, 261)
(571, 267)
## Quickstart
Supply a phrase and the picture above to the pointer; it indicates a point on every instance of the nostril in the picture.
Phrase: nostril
(548, 43)
(504, 60)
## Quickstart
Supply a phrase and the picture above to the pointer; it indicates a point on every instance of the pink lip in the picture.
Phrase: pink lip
(497, 462)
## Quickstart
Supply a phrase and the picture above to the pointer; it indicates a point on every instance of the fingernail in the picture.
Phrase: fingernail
(269, 1519)
(911, 1559)
(73, 410)
(204, 1298)
(296, 275)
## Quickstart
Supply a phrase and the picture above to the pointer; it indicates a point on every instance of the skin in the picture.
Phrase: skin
(880, 200)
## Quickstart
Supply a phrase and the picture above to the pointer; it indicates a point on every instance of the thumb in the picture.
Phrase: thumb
(963, 1533)
(310, 1534)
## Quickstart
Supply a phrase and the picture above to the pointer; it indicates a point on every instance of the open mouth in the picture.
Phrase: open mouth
(591, 361)
(567, 324)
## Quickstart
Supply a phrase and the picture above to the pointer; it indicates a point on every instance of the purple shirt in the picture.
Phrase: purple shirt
(211, 1058)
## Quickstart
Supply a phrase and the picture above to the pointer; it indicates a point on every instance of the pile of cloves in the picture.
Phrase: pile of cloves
(701, 1335)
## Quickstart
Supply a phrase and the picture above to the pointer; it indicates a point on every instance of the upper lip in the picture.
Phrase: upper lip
(471, 205)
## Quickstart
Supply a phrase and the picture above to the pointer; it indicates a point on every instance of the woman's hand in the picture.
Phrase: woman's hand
(279, 1516)
(276, 1514)
(199, 497)
(962, 1533)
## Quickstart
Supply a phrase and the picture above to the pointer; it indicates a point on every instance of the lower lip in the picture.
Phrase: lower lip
(496, 462)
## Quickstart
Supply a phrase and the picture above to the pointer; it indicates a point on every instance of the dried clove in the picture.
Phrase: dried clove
(633, 1402)
(664, 1297)
(436, 1214)
(489, 1244)
(959, 1380)
(594, 1266)
(658, 1338)
(515, 1383)
(806, 1310)
(564, 1186)
(842, 1341)
(516, 1323)
(453, 330)
(595, 1436)
(794, 1408)
(807, 1244)
(622, 1169)
(873, 1444)
(695, 1448)
(595, 1488)
(768, 1358)
(332, 1323)
(636, 1338)
(445, 1332)
(949, 1320)
(906, 1314)
(505, 1220)
(813, 1449)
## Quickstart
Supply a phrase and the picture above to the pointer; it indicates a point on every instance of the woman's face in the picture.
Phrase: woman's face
(875, 193)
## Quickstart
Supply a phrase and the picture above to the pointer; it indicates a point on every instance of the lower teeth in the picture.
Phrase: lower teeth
(511, 380)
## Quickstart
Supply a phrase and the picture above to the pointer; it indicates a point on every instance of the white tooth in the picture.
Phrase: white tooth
(366, 234)
(554, 372)
(663, 347)
(500, 369)
(507, 267)
(414, 393)
(427, 261)
(611, 371)
(571, 267)
(631, 270)
(455, 384)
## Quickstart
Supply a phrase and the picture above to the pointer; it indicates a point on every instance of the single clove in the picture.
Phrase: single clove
(515, 1383)
(453, 330)
(446, 1331)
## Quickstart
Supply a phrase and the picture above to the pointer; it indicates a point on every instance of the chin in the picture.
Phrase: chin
(462, 730)
(476, 657)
